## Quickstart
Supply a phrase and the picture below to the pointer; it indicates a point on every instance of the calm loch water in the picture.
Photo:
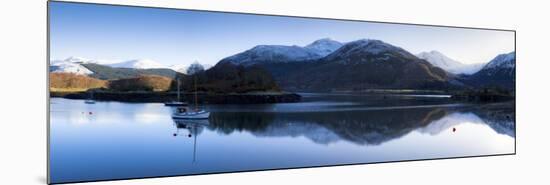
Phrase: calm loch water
(113, 140)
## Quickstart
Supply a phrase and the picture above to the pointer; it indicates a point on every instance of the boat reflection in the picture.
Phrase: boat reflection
(193, 129)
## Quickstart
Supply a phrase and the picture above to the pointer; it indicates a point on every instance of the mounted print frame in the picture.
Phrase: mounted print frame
(141, 92)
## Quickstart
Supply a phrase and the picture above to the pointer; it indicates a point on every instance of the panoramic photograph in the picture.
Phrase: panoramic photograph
(140, 92)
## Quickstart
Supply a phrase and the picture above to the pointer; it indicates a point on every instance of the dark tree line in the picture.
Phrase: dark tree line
(227, 78)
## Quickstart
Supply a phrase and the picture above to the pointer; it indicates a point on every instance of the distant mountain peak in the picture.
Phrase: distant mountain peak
(434, 53)
(366, 49)
(326, 39)
(374, 46)
(271, 53)
(324, 46)
(182, 68)
(323, 41)
(76, 59)
(138, 64)
(500, 71)
(507, 60)
(70, 65)
(284, 53)
(73, 65)
(439, 59)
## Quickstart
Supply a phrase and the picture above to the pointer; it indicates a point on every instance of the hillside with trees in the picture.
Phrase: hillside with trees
(74, 82)
(141, 83)
(228, 78)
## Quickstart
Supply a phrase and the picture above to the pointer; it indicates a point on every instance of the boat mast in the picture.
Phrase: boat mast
(178, 89)
(196, 99)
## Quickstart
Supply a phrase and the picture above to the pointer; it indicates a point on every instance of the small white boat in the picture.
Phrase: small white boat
(186, 113)
(175, 104)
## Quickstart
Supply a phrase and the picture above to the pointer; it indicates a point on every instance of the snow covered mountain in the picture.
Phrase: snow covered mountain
(76, 65)
(438, 59)
(368, 49)
(362, 64)
(179, 67)
(503, 65)
(70, 65)
(182, 68)
(501, 71)
(138, 64)
(503, 61)
(323, 47)
(271, 54)
(83, 66)
(281, 53)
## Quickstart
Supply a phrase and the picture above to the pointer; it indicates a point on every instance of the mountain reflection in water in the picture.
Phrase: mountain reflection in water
(363, 127)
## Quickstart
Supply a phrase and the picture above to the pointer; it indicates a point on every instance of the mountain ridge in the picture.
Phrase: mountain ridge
(323, 65)
(282, 53)
(360, 65)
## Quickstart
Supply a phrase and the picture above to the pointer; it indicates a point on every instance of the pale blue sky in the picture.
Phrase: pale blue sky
(181, 36)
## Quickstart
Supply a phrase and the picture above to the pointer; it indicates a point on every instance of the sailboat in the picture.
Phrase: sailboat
(186, 112)
(177, 102)
(90, 100)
